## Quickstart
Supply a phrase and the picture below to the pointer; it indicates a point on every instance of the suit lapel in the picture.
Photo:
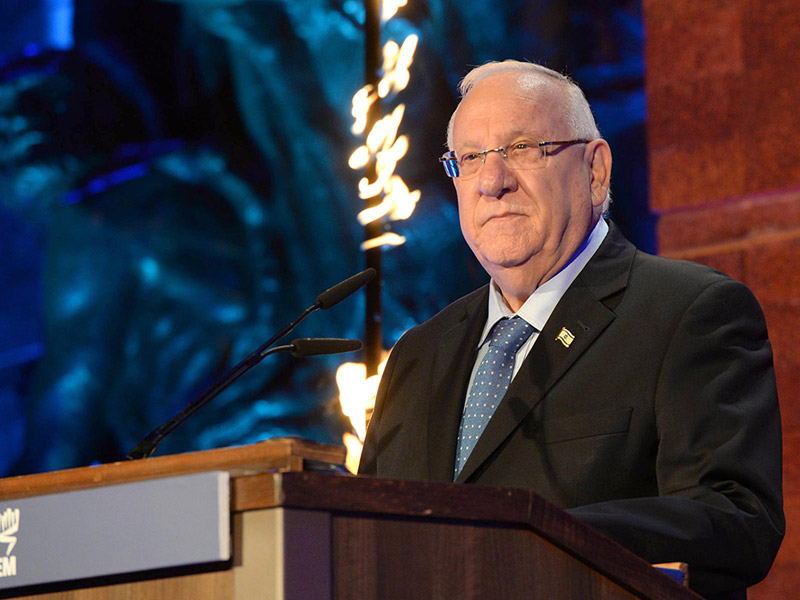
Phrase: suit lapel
(453, 361)
(583, 314)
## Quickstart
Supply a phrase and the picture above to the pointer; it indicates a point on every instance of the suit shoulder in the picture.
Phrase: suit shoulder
(677, 273)
(452, 314)
(678, 283)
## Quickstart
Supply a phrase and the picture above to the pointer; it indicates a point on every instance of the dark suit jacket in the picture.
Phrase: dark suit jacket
(658, 425)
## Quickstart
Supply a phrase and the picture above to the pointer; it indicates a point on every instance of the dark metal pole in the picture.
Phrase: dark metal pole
(373, 331)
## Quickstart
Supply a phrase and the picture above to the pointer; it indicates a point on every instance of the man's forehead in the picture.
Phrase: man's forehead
(524, 103)
(528, 86)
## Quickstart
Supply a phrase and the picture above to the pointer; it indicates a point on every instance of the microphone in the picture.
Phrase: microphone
(325, 300)
(299, 347)
(342, 290)
(315, 346)
(302, 347)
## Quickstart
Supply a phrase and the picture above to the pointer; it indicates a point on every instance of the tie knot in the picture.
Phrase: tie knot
(510, 334)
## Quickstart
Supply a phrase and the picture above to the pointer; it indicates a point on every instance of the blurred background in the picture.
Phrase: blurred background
(175, 188)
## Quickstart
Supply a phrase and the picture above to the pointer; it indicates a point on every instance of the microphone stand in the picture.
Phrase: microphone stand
(326, 299)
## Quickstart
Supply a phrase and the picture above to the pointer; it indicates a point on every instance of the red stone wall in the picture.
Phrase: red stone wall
(723, 92)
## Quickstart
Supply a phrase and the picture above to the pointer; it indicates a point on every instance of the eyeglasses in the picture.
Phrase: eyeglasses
(519, 157)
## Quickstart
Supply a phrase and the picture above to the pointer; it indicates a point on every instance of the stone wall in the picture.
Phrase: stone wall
(723, 93)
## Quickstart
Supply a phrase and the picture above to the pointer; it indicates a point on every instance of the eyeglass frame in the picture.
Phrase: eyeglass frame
(449, 159)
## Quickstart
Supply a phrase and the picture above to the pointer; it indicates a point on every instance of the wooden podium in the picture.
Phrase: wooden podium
(301, 534)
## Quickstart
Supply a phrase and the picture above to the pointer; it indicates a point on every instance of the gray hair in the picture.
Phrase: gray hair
(576, 108)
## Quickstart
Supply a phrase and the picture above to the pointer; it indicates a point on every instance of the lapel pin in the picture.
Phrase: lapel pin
(565, 337)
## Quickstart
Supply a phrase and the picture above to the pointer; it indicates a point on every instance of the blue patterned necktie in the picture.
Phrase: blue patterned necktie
(490, 384)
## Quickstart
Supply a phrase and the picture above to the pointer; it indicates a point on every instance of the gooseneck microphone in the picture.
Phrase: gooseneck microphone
(299, 348)
(315, 346)
(342, 290)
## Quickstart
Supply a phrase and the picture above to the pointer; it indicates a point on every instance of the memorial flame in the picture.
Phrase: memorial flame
(383, 148)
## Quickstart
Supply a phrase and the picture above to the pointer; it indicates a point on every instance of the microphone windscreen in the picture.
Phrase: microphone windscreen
(342, 290)
(314, 346)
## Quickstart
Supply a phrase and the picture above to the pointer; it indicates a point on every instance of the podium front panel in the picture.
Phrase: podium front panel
(118, 529)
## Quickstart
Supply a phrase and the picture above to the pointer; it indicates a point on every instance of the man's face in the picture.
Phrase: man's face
(531, 221)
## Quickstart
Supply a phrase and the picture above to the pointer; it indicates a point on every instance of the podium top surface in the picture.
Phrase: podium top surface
(271, 456)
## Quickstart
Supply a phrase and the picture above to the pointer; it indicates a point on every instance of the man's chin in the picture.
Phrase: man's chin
(497, 264)
(507, 252)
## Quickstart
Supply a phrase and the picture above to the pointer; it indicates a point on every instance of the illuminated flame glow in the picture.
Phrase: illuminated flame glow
(362, 100)
(385, 163)
(396, 61)
(382, 145)
(386, 239)
(398, 203)
(390, 8)
(357, 397)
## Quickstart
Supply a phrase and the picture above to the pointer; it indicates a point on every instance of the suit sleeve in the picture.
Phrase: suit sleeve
(718, 461)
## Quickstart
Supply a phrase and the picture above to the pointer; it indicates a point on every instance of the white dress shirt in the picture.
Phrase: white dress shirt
(540, 304)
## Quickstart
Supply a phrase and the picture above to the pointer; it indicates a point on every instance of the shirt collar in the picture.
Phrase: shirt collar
(539, 305)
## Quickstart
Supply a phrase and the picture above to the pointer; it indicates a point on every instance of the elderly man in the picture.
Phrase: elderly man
(635, 391)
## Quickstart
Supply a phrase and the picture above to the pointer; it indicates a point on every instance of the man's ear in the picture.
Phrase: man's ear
(598, 157)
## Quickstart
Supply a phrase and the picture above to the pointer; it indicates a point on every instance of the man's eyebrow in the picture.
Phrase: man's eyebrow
(467, 145)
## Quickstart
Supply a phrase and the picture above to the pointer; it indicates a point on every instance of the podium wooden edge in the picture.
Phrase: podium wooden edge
(274, 455)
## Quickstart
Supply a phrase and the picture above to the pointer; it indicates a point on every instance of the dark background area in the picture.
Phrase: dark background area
(174, 188)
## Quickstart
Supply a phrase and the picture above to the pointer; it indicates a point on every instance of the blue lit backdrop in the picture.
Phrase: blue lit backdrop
(174, 188)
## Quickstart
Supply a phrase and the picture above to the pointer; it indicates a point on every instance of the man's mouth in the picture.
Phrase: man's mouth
(503, 216)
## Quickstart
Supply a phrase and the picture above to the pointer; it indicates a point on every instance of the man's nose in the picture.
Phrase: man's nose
(495, 178)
